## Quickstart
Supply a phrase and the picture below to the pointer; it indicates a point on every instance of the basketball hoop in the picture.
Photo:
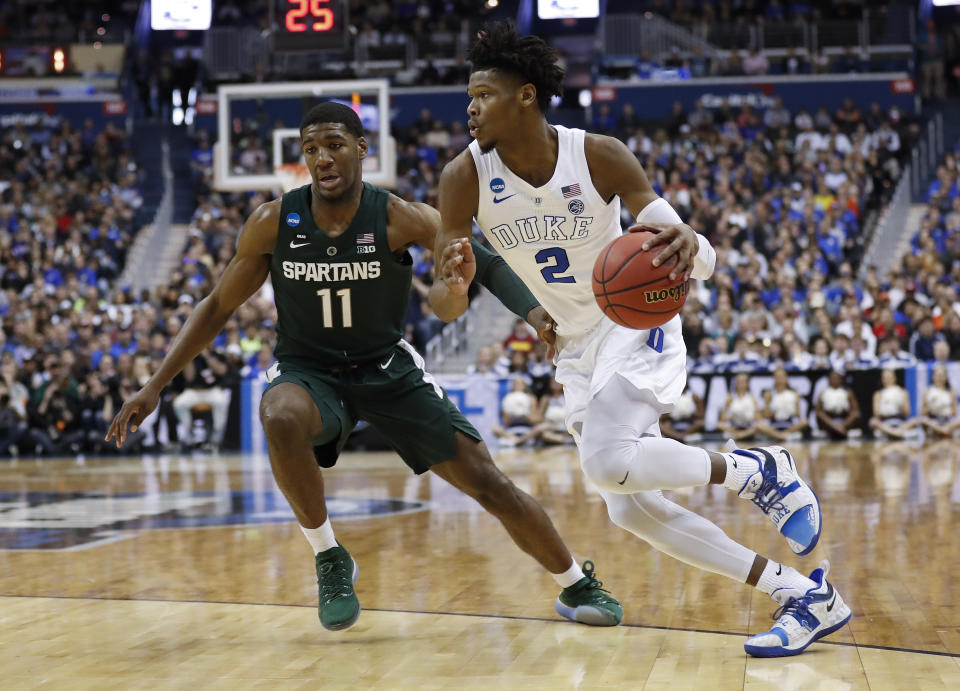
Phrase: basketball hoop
(370, 98)
(292, 175)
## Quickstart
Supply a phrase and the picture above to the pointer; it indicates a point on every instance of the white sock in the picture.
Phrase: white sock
(776, 576)
(570, 576)
(320, 538)
(739, 470)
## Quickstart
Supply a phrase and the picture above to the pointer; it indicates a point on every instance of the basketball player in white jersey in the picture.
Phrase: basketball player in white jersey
(548, 199)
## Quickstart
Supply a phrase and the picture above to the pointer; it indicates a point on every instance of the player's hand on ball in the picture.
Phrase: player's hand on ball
(457, 266)
(679, 238)
(134, 410)
(546, 328)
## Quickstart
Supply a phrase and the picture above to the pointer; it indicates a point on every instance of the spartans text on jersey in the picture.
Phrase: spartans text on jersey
(331, 271)
(541, 228)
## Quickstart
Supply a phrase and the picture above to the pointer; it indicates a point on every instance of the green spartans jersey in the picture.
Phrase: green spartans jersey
(343, 300)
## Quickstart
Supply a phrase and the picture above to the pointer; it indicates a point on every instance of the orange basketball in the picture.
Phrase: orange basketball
(630, 289)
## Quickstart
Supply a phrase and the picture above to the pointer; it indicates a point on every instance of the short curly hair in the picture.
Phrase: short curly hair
(331, 111)
(500, 47)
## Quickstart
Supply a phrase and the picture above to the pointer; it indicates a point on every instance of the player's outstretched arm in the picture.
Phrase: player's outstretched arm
(417, 223)
(494, 275)
(243, 276)
(456, 265)
(617, 172)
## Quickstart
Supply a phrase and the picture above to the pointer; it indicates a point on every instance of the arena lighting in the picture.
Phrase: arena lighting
(492, 3)
(568, 9)
(585, 98)
(59, 60)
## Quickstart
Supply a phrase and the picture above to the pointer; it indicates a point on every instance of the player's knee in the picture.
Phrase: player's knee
(640, 513)
(282, 424)
(610, 467)
(626, 513)
(598, 467)
(622, 511)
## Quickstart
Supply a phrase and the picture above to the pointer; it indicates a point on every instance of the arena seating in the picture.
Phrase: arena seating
(786, 198)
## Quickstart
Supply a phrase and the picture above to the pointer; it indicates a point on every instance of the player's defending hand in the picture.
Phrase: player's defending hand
(457, 266)
(546, 328)
(134, 410)
(679, 238)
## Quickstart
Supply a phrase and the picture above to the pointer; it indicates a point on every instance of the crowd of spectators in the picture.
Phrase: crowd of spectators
(25, 21)
(750, 11)
(783, 196)
(532, 410)
(737, 63)
(773, 37)
(68, 202)
(386, 32)
(754, 409)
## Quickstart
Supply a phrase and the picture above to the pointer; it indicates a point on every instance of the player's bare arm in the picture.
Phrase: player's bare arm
(243, 276)
(456, 266)
(617, 172)
(414, 223)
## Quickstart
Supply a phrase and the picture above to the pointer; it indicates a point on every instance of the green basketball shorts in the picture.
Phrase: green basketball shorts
(394, 394)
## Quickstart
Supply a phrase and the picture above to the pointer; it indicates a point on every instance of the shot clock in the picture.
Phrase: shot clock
(310, 25)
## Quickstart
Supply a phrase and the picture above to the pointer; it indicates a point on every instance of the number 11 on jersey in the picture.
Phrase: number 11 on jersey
(326, 306)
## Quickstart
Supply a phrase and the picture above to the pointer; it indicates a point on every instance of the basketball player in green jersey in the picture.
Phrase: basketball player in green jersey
(336, 253)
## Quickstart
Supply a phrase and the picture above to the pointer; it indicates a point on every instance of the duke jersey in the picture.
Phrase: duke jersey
(550, 235)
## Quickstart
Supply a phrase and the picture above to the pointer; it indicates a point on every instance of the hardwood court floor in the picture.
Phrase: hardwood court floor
(179, 572)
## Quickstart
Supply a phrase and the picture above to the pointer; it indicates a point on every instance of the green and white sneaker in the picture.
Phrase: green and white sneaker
(587, 602)
(339, 607)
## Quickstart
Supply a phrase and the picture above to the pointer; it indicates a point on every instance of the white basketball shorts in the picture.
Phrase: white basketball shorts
(653, 360)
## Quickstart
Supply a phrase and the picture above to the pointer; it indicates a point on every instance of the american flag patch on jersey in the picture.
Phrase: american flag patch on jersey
(365, 239)
(571, 190)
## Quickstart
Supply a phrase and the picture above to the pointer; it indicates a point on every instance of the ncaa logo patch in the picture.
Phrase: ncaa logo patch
(293, 219)
(497, 185)
(575, 206)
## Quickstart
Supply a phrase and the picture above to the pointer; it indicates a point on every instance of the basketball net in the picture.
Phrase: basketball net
(292, 175)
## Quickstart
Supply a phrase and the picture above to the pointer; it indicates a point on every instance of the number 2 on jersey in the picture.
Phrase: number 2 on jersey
(326, 306)
(561, 264)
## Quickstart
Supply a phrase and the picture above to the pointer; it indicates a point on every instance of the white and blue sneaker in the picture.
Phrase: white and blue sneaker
(801, 618)
(779, 491)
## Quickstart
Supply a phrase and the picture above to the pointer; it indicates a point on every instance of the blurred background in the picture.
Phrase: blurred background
(816, 144)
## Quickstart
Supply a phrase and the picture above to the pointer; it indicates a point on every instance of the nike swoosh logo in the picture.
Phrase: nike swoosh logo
(779, 569)
(830, 606)
(302, 244)
(734, 463)
(497, 200)
(387, 363)
(624, 478)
